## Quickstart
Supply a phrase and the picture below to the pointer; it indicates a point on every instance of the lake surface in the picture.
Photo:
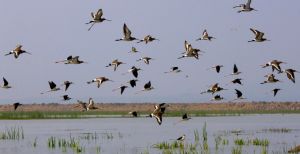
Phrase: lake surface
(138, 135)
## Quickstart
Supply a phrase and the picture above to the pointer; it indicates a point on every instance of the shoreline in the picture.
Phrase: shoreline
(63, 111)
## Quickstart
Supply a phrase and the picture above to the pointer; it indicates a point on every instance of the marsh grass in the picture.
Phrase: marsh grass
(63, 144)
(12, 133)
(260, 142)
(100, 114)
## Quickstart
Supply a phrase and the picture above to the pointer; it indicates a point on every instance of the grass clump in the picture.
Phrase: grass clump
(12, 133)
(260, 142)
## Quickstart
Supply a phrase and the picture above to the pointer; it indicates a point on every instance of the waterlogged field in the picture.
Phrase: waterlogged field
(274, 133)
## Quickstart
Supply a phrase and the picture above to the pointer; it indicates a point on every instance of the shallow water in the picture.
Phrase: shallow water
(138, 135)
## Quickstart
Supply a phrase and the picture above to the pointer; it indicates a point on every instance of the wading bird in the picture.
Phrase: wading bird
(67, 84)
(205, 36)
(16, 105)
(185, 117)
(245, 7)
(275, 64)
(97, 18)
(122, 88)
(115, 63)
(174, 69)
(127, 34)
(52, 86)
(5, 84)
(147, 39)
(181, 138)
(99, 81)
(258, 36)
(17, 51)
(290, 73)
(145, 59)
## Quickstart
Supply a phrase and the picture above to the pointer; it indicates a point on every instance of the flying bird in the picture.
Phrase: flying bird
(127, 34)
(205, 36)
(259, 36)
(16, 105)
(237, 81)
(190, 51)
(270, 79)
(239, 95)
(290, 73)
(147, 39)
(122, 88)
(213, 89)
(217, 68)
(147, 87)
(133, 50)
(71, 60)
(245, 7)
(17, 51)
(235, 71)
(217, 98)
(66, 97)
(158, 113)
(52, 86)
(96, 18)
(67, 84)
(275, 91)
(132, 82)
(91, 105)
(134, 71)
(99, 80)
(145, 59)
(275, 64)
(115, 63)
(5, 84)
(174, 69)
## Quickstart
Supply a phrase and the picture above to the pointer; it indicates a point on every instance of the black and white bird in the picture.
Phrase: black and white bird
(205, 36)
(239, 95)
(133, 113)
(52, 86)
(5, 84)
(174, 69)
(67, 84)
(132, 82)
(275, 91)
(181, 138)
(122, 88)
(16, 105)
(66, 97)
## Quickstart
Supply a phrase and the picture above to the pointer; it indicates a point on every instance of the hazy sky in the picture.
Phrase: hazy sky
(53, 30)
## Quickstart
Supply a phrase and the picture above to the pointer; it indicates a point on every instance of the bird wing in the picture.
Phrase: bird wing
(259, 35)
(186, 45)
(135, 73)
(5, 82)
(52, 84)
(18, 48)
(247, 6)
(99, 14)
(235, 69)
(147, 85)
(126, 31)
(67, 84)
(290, 75)
(238, 93)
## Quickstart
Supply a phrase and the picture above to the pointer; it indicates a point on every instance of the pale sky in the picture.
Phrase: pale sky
(53, 30)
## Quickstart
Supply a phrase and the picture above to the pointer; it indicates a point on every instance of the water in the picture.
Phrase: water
(138, 135)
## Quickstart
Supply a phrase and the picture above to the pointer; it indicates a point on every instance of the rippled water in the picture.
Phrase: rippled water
(138, 135)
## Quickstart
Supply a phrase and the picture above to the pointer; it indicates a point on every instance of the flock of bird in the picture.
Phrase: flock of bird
(190, 52)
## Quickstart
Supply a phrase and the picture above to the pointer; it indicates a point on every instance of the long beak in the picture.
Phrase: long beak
(28, 53)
